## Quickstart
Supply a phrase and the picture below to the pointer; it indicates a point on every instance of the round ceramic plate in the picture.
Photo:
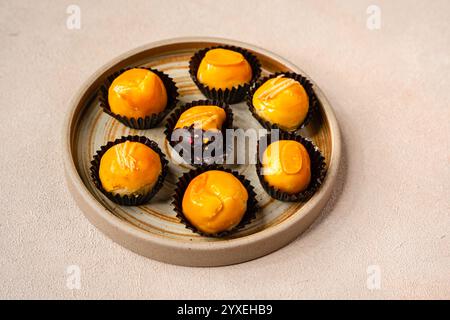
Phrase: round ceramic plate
(153, 230)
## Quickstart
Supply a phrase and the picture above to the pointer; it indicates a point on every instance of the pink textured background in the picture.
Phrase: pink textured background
(390, 89)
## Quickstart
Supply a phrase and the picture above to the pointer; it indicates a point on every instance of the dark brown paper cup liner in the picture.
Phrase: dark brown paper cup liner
(230, 96)
(186, 178)
(149, 121)
(317, 168)
(129, 200)
(313, 101)
(173, 118)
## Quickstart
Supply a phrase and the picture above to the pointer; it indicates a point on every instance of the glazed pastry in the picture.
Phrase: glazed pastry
(137, 93)
(207, 117)
(129, 168)
(224, 69)
(282, 101)
(199, 125)
(215, 201)
(286, 166)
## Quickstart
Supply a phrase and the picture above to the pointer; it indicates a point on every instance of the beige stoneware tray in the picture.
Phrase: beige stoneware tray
(153, 230)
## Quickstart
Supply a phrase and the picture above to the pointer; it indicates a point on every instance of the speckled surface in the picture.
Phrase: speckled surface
(389, 89)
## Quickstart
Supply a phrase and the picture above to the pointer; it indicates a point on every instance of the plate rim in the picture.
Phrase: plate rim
(99, 215)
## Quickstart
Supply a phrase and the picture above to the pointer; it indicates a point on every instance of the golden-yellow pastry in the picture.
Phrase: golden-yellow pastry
(137, 93)
(282, 101)
(215, 201)
(202, 117)
(129, 168)
(286, 166)
(224, 69)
